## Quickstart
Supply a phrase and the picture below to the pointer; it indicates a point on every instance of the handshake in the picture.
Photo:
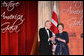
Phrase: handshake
(52, 38)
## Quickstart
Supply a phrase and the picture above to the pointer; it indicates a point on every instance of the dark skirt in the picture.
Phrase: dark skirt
(61, 49)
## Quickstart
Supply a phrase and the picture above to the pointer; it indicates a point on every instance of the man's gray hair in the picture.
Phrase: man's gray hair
(47, 21)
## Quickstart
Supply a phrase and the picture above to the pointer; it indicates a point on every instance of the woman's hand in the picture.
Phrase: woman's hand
(61, 40)
(58, 38)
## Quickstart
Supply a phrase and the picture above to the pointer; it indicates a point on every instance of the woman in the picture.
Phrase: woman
(61, 41)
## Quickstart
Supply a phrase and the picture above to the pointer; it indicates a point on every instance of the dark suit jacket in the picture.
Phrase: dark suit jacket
(44, 47)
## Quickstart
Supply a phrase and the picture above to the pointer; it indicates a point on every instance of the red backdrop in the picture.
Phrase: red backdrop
(21, 43)
(71, 15)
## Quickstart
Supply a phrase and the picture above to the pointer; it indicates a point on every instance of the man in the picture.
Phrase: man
(46, 39)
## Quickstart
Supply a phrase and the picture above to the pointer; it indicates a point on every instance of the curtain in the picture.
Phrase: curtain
(20, 43)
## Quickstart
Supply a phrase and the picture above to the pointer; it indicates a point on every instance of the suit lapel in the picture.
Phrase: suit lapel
(46, 32)
(50, 33)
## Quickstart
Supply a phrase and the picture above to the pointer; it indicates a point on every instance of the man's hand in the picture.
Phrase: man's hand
(52, 38)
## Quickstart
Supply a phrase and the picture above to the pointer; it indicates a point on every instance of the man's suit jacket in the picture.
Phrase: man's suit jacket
(44, 47)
